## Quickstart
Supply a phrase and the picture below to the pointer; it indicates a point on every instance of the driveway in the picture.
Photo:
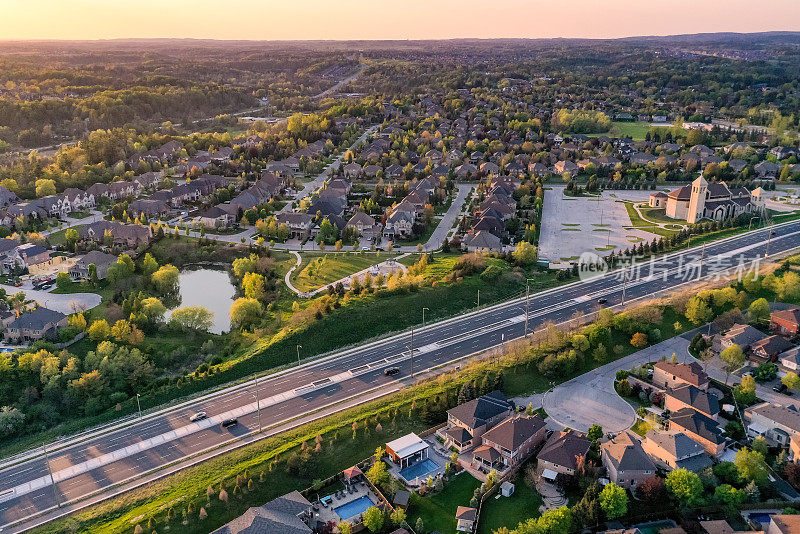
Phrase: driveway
(590, 398)
(67, 303)
(446, 223)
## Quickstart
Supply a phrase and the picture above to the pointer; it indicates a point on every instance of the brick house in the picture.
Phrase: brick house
(670, 375)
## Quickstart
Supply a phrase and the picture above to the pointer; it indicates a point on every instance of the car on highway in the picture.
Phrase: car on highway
(230, 422)
(198, 416)
(602, 300)
(390, 371)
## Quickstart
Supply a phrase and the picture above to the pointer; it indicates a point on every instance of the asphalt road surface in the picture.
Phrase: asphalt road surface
(100, 461)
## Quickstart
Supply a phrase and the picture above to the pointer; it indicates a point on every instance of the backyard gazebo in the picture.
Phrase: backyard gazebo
(351, 474)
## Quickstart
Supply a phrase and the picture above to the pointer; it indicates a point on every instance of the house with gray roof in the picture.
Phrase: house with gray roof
(625, 461)
(101, 261)
(563, 453)
(688, 396)
(38, 323)
(515, 439)
(482, 241)
(285, 515)
(468, 421)
(700, 428)
(777, 424)
(675, 450)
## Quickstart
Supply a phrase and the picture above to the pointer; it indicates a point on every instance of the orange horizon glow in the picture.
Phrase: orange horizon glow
(383, 20)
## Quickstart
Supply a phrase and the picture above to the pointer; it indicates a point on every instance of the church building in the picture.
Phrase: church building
(703, 200)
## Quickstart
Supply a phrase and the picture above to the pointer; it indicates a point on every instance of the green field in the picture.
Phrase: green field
(438, 512)
(634, 130)
(640, 224)
(318, 269)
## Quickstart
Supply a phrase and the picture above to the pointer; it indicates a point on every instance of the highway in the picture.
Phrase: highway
(100, 461)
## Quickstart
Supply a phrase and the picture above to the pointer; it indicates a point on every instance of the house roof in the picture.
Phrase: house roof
(279, 516)
(786, 416)
(36, 319)
(626, 454)
(401, 497)
(692, 372)
(786, 524)
(676, 443)
(514, 431)
(696, 398)
(564, 448)
(792, 315)
(352, 472)
(743, 335)
(483, 239)
(682, 193)
(476, 412)
(485, 452)
(697, 423)
(459, 434)
(771, 345)
(466, 513)
(97, 258)
(407, 445)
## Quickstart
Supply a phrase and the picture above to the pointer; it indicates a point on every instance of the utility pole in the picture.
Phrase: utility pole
(139, 405)
(258, 405)
(298, 354)
(769, 238)
(702, 260)
(624, 279)
(423, 316)
(527, 304)
(52, 480)
(479, 298)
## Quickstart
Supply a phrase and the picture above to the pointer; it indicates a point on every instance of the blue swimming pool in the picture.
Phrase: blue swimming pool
(353, 508)
(761, 517)
(419, 470)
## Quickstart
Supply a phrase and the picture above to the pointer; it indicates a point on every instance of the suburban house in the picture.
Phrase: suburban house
(127, 235)
(468, 421)
(670, 375)
(407, 450)
(400, 223)
(783, 524)
(466, 518)
(675, 450)
(482, 241)
(777, 424)
(785, 322)
(514, 439)
(700, 428)
(768, 349)
(25, 256)
(688, 396)
(149, 207)
(563, 454)
(101, 261)
(299, 224)
(284, 515)
(38, 323)
(742, 335)
(790, 359)
(216, 217)
(625, 461)
(364, 225)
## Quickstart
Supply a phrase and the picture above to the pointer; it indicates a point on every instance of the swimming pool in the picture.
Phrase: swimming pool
(761, 517)
(419, 470)
(353, 508)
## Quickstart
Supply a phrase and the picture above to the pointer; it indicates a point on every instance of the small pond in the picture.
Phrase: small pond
(211, 289)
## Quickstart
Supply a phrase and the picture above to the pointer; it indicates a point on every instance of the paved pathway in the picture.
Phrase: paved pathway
(590, 398)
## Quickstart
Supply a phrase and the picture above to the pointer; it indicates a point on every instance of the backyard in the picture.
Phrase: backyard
(318, 270)
(508, 512)
(438, 511)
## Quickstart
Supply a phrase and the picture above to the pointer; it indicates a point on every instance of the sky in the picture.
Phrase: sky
(384, 19)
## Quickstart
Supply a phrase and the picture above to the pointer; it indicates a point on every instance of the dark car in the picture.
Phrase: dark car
(389, 371)
(230, 422)
(781, 388)
(602, 300)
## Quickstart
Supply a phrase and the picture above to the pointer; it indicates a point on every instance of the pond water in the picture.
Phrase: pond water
(211, 289)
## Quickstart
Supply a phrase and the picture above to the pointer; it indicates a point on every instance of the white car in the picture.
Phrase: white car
(198, 416)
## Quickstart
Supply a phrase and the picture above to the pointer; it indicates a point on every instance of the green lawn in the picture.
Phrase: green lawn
(319, 270)
(634, 130)
(641, 427)
(438, 511)
(641, 224)
(508, 512)
(657, 215)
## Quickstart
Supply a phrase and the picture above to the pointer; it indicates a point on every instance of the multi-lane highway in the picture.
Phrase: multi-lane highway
(100, 461)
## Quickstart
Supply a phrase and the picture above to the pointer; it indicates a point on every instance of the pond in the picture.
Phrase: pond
(211, 289)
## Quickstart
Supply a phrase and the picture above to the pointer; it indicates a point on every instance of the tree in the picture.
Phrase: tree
(614, 501)
(595, 433)
(63, 281)
(254, 286)
(192, 318)
(45, 187)
(751, 466)
(525, 253)
(698, 311)
(733, 357)
(378, 474)
(745, 392)
(11, 420)
(398, 517)
(149, 264)
(727, 495)
(373, 519)
(651, 489)
(153, 309)
(99, 331)
(165, 279)
(71, 237)
(639, 340)
(791, 380)
(685, 486)
(759, 311)
(344, 527)
(245, 312)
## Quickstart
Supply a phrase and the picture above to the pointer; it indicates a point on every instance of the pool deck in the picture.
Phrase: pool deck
(328, 513)
(433, 454)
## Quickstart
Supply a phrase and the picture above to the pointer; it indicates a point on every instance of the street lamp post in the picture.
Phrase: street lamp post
(423, 316)
(52, 480)
(412, 352)
(258, 405)
(702, 260)
(527, 304)
(139, 405)
(298, 354)
(479, 298)
(624, 279)
(769, 239)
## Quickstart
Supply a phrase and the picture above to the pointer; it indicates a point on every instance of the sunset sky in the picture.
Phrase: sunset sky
(382, 19)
